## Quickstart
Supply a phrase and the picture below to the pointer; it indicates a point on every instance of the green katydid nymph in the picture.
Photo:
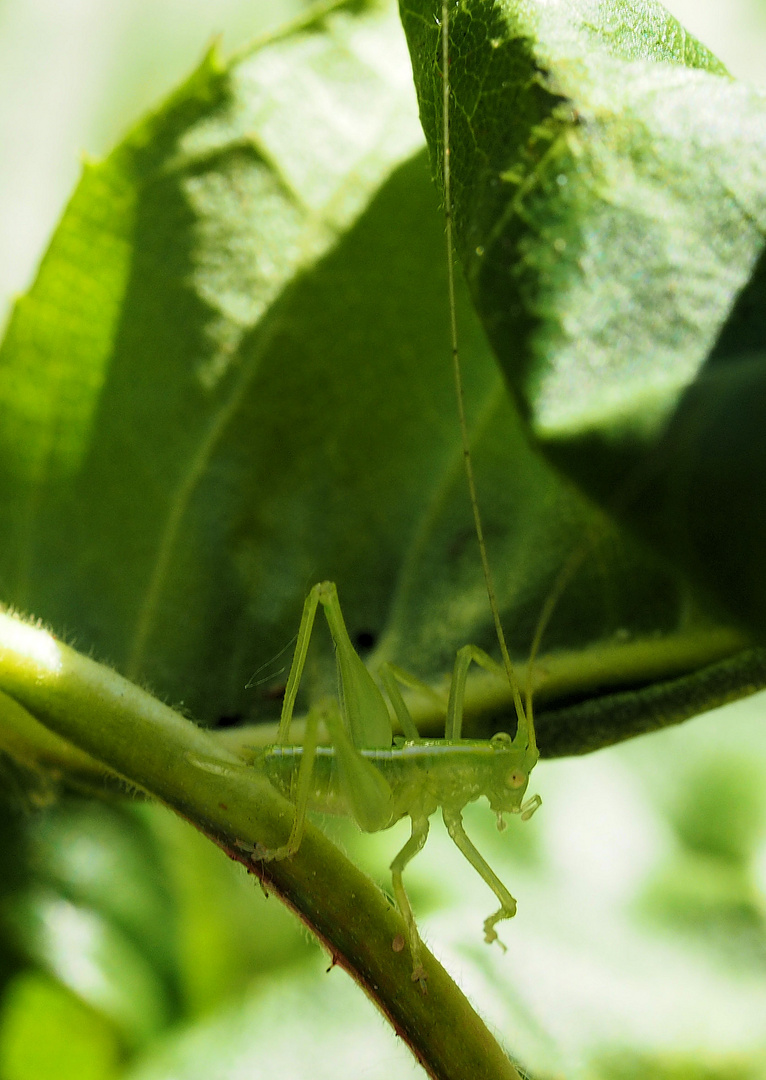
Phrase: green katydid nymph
(366, 773)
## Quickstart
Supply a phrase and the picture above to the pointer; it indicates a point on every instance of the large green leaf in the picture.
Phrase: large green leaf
(231, 379)
(142, 369)
(610, 208)
(204, 411)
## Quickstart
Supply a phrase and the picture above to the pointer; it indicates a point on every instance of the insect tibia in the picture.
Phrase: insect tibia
(417, 839)
(454, 823)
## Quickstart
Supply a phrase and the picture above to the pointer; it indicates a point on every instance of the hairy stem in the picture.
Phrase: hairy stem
(98, 717)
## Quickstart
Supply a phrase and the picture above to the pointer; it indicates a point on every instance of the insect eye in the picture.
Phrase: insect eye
(516, 778)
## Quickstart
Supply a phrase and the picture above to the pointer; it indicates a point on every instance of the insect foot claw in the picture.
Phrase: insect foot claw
(419, 976)
(264, 854)
(490, 934)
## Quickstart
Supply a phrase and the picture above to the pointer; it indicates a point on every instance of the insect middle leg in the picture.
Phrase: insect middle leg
(420, 826)
(468, 654)
(391, 676)
(454, 822)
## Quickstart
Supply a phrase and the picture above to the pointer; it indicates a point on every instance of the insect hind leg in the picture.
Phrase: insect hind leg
(454, 822)
(299, 661)
(302, 791)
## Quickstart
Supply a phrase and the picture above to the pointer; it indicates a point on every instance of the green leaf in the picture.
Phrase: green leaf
(138, 376)
(608, 184)
(46, 1031)
(231, 379)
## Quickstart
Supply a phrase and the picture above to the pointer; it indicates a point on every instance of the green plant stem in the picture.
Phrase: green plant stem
(98, 716)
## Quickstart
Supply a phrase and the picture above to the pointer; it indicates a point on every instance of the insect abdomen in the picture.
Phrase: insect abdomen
(422, 776)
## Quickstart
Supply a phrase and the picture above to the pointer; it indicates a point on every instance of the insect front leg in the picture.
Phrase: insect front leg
(420, 826)
(454, 821)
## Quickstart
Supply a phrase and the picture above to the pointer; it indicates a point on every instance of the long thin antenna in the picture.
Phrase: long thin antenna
(524, 718)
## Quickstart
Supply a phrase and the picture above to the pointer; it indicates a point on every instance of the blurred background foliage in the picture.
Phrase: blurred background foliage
(131, 948)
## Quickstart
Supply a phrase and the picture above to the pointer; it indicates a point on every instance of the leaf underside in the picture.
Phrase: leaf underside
(231, 376)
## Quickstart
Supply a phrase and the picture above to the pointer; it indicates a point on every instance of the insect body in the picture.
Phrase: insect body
(376, 781)
(422, 776)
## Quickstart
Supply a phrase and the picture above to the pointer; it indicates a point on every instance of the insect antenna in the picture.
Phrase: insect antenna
(563, 578)
(523, 716)
(255, 681)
